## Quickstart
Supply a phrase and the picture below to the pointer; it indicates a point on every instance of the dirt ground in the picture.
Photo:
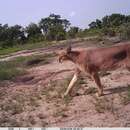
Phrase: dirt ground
(35, 98)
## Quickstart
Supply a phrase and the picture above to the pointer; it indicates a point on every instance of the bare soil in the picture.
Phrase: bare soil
(35, 98)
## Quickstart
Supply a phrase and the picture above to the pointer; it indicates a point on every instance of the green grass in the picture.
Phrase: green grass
(104, 104)
(19, 101)
(33, 60)
(5, 51)
(30, 46)
(8, 70)
(16, 67)
(129, 91)
(55, 90)
(27, 46)
(126, 99)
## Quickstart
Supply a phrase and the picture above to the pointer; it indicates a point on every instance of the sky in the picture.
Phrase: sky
(78, 12)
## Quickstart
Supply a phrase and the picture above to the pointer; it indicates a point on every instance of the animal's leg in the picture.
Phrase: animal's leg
(72, 82)
(128, 64)
(98, 82)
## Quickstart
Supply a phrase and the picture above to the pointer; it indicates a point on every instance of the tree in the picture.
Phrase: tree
(3, 32)
(73, 32)
(15, 32)
(92, 25)
(32, 30)
(114, 20)
(127, 19)
(125, 31)
(11, 35)
(105, 21)
(34, 33)
(53, 26)
(95, 24)
(98, 23)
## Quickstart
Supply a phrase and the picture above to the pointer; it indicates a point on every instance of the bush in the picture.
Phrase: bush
(60, 36)
(89, 32)
(8, 70)
(125, 31)
(16, 67)
(109, 31)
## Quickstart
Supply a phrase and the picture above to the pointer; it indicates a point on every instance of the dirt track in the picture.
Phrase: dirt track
(35, 99)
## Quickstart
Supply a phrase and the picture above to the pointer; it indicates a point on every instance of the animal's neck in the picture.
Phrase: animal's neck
(73, 56)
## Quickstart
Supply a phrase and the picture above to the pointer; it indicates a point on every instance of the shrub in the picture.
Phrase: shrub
(125, 31)
(9, 70)
(109, 31)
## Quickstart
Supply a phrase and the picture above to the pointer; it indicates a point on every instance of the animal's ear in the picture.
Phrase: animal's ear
(68, 49)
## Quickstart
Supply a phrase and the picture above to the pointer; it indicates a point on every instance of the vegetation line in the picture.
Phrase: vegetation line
(55, 28)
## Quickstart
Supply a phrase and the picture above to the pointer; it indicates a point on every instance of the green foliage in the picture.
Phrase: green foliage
(32, 29)
(89, 32)
(95, 24)
(8, 70)
(114, 20)
(34, 33)
(73, 32)
(109, 31)
(10, 36)
(93, 32)
(5, 51)
(111, 24)
(125, 31)
(92, 25)
(11, 69)
(54, 27)
(49, 28)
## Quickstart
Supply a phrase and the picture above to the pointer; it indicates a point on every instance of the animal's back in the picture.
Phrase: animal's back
(110, 57)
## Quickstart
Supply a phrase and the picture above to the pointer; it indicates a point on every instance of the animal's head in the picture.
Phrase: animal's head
(64, 55)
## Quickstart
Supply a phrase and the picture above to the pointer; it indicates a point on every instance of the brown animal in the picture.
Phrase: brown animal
(94, 60)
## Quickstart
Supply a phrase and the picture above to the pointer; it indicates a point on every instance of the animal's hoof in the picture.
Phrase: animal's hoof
(63, 96)
(99, 94)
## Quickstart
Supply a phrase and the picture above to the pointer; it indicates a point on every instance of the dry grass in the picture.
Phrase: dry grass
(103, 104)
(125, 99)
(8, 70)
(18, 102)
(16, 67)
(55, 89)
(60, 112)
